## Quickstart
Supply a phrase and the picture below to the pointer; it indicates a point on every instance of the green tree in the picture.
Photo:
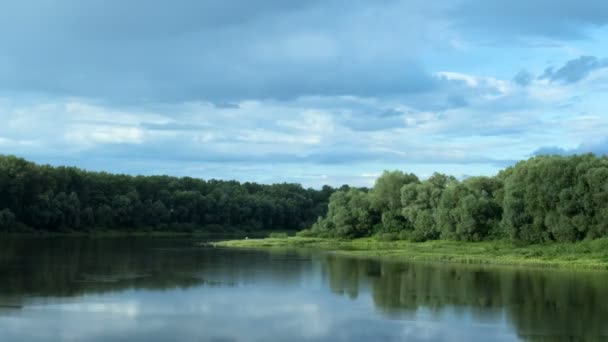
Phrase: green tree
(349, 216)
(420, 202)
(385, 199)
(7, 220)
(469, 211)
(87, 218)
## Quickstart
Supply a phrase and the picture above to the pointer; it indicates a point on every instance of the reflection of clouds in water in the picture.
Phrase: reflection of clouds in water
(309, 320)
(425, 331)
(127, 309)
(49, 324)
(221, 295)
(454, 331)
(246, 313)
(192, 314)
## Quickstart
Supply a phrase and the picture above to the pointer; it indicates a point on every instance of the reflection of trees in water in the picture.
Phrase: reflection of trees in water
(60, 267)
(344, 274)
(540, 304)
(537, 303)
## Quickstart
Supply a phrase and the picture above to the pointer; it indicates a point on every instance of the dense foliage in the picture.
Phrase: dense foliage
(69, 199)
(546, 198)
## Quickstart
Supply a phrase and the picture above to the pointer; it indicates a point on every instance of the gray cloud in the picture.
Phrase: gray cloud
(599, 148)
(523, 78)
(364, 117)
(174, 126)
(575, 70)
(566, 19)
(552, 150)
(225, 51)
(229, 152)
(221, 51)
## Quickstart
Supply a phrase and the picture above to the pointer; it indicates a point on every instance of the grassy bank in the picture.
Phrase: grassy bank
(585, 254)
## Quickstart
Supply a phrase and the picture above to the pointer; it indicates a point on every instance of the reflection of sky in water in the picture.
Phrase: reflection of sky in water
(269, 312)
(167, 290)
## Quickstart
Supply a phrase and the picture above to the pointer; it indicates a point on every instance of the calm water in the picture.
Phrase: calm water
(140, 289)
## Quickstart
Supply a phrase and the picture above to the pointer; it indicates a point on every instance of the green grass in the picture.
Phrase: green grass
(276, 235)
(585, 254)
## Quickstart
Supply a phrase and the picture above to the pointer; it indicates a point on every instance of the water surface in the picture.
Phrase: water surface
(169, 289)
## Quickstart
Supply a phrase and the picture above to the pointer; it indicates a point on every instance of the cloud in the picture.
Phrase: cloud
(218, 51)
(227, 51)
(598, 147)
(314, 91)
(492, 20)
(523, 78)
(552, 150)
(82, 135)
(205, 141)
(575, 70)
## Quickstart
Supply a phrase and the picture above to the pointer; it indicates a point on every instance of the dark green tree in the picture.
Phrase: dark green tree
(7, 220)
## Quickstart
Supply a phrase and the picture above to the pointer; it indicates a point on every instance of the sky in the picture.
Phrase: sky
(314, 92)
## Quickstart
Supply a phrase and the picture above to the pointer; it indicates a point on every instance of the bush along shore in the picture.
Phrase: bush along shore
(548, 210)
(590, 254)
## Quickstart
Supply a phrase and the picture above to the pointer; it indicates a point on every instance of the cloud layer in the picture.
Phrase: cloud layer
(314, 92)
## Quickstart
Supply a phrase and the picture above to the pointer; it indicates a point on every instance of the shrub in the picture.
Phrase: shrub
(277, 235)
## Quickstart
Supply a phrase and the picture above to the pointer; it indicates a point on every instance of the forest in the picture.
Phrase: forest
(66, 199)
(543, 199)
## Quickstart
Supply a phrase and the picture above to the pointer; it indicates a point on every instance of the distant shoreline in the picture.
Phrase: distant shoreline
(141, 233)
(581, 255)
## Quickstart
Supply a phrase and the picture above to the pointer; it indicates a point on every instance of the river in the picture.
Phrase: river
(174, 289)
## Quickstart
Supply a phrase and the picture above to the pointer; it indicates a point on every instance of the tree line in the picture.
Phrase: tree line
(42, 197)
(546, 198)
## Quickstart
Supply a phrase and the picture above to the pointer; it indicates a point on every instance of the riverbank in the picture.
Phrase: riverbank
(584, 254)
(198, 234)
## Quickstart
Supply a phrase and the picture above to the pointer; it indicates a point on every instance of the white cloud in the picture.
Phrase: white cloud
(88, 135)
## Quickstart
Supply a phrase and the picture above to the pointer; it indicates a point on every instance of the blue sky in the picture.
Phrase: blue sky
(316, 92)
